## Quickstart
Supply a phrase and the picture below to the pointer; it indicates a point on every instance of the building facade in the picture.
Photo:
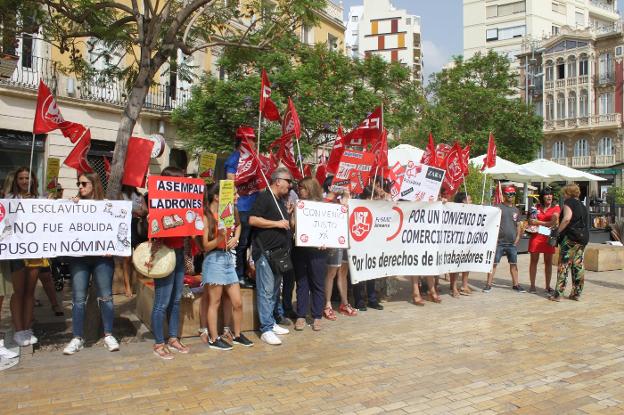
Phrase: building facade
(377, 27)
(98, 102)
(575, 80)
(502, 25)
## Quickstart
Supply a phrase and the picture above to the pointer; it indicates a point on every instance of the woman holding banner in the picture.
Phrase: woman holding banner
(168, 292)
(310, 268)
(81, 270)
(219, 273)
(24, 273)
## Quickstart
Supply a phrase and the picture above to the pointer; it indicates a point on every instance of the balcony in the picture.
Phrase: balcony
(108, 91)
(563, 161)
(569, 82)
(607, 78)
(581, 161)
(603, 161)
(593, 121)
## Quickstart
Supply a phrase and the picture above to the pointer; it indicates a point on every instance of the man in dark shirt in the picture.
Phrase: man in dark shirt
(508, 237)
(271, 231)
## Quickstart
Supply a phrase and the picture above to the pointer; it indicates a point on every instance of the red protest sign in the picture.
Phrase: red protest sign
(175, 206)
(353, 171)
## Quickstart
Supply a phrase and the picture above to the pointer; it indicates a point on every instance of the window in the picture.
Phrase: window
(619, 50)
(572, 105)
(571, 67)
(506, 9)
(408, 21)
(554, 30)
(26, 52)
(560, 69)
(511, 32)
(581, 148)
(537, 108)
(605, 67)
(605, 103)
(558, 150)
(540, 152)
(583, 66)
(549, 114)
(605, 147)
(558, 7)
(549, 74)
(491, 34)
(583, 104)
(332, 42)
(580, 19)
(394, 26)
(561, 114)
(354, 18)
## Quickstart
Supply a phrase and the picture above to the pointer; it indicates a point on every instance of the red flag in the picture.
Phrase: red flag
(77, 158)
(290, 123)
(137, 161)
(368, 132)
(380, 149)
(307, 170)
(465, 159)
(429, 157)
(336, 153)
(454, 170)
(442, 152)
(72, 130)
(267, 165)
(267, 106)
(47, 115)
(321, 173)
(107, 167)
(247, 163)
(286, 155)
(490, 158)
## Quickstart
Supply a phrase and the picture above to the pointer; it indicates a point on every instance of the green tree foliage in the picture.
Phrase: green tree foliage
(474, 185)
(327, 88)
(474, 98)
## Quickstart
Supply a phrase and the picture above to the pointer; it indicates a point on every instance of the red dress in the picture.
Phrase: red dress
(539, 243)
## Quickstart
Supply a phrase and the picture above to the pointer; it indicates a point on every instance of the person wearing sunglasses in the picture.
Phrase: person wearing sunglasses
(547, 216)
(270, 221)
(509, 235)
(81, 269)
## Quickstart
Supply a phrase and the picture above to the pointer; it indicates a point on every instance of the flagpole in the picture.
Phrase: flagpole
(300, 158)
(373, 184)
(32, 151)
(483, 192)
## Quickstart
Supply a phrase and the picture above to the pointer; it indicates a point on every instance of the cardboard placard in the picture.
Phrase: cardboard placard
(421, 182)
(226, 204)
(353, 172)
(207, 164)
(175, 206)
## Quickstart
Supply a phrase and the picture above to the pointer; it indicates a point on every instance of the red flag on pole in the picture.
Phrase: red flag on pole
(380, 149)
(441, 153)
(429, 157)
(72, 130)
(490, 158)
(47, 115)
(77, 158)
(267, 106)
(336, 152)
(107, 167)
(286, 155)
(368, 132)
(465, 159)
(247, 163)
(321, 173)
(454, 169)
(137, 161)
(290, 124)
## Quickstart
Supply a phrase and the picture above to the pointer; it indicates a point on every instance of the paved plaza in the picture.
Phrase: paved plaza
(501, 352)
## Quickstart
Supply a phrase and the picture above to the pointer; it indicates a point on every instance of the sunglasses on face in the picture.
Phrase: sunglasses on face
(510, 194)
(288, 180)
(82, 184)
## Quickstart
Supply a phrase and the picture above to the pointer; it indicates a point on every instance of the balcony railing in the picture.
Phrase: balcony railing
(603, 161)
(569, 82)
(601, 120)
(605, 78)
(581, 161)
(563, 161)
(110, 91)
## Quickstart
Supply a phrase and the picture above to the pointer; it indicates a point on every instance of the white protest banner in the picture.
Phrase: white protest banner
(321, 224)
(420, 238)
(421, 182)
(42, 228)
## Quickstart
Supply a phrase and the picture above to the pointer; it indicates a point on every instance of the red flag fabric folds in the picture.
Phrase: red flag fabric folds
(47, 115)
(465, 159)
(107, 167)
(336, 153)
(368, 132)
(77, 158)
(429, 157)
(490, 158)
(290, 124)
(73, 131)
(137, 161)
(268, 109)
(321, 173)
(380, 149)
(247, 163)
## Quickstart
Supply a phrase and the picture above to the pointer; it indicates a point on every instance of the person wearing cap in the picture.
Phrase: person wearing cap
(508, 237)
(547, 216)
(244, 204)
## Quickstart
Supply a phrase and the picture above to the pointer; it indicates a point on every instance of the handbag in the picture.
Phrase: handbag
(163, 261)
(280, 260)
(553, 239)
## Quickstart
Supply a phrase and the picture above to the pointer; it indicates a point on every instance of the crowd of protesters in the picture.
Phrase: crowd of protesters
(261, 239)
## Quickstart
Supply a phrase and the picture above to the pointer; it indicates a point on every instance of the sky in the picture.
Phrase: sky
(441, 26)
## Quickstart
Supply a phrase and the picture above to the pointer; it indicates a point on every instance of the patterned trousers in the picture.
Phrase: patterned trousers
(571, 258)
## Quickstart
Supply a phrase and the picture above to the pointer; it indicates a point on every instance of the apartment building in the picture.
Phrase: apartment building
(502, 25)
(98, 102)
(575, 81)
(377, 27)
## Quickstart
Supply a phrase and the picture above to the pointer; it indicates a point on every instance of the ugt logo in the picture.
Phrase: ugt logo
(360, 223)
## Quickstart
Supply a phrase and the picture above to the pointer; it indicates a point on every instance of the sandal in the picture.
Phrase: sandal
(347, 310)
(203, 334)
(420, 302)
(329, 314)
(454, 294)
(163, 352)
(177, 345)
(316, 325)
(465, 291)
(435, 299)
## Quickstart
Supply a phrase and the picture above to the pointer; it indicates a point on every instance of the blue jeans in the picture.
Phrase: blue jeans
(102, 269)
(267, 293)
(167, 294)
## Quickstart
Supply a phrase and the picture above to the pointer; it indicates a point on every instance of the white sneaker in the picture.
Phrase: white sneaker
(280, 330)
(21, 338)
(4, 352)
(31, 337)
(111, 343)
(270, 338)
(75, 345)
